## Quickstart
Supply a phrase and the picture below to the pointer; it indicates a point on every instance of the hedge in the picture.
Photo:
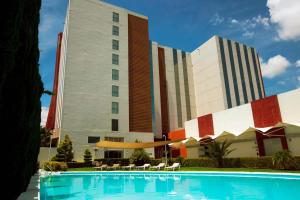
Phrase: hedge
(79, 164)
(111, 161)
(55, 166)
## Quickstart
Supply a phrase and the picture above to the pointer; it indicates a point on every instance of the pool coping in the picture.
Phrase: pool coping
(274, 174)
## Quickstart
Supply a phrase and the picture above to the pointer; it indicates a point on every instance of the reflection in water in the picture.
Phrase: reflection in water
(166, 186)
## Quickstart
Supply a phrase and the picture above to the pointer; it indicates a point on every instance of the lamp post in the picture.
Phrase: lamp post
(165, 149)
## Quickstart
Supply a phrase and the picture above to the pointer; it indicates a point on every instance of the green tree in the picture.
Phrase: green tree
(20, 91)
(219, 150)
(87, 156)
(283, 160)
(65, 150)
(139, 157)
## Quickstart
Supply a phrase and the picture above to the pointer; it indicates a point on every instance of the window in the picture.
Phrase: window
(115, 91)
(114, 139)
(115, 74)
(113, 154)
(115, 107)
(115, 30)
(115, 17)
(93, 139)
(115, 59)
(115, 44)
(115, 125)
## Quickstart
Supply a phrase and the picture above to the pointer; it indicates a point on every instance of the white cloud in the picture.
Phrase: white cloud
(298, 63)
(248, 34)
(216, 19)
(286, 14)
(234, 21)
(275, 66)
(44, 114)
(298, 79)
(265, 21)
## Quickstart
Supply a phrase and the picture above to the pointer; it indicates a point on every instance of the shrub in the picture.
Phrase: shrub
(219, 150)
(283, 160)
(111, 161)
(65, 150)
(87, 156)
(79, 164)
(55, 166)
(139, 157)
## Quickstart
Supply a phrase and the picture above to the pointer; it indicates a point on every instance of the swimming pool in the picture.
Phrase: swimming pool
(169, 185)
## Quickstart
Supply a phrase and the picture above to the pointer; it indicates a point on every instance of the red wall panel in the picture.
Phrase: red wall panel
(140, 114)
(52, 109)
(163, 91)
(277, 133)
(179, 134)
(266, 112)
(205, 125)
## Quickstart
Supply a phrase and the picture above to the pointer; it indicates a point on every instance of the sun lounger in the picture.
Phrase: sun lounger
(145, 166)
(173, 167)
(114, 167)
(159, 166)
(102, 167)
(130, 166)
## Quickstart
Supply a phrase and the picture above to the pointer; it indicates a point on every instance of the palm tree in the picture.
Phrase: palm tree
(219, 150)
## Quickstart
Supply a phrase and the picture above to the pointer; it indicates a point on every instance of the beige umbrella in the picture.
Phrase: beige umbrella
(133, 145)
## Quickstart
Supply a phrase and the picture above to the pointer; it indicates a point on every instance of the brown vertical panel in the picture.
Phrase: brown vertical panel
(163, 91)
(52, 110)
(140, 114)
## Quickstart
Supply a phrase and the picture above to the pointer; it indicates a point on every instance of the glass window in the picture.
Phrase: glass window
(115, 91)
(114, 139)
(115, 107)
(115, 44)
(115, 74)
(113, 154)
(115, 30)
(115, 17)
(93, 139)
(115, 125)
(115, 59)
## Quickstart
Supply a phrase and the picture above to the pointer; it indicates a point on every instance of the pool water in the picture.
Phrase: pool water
(171, 186)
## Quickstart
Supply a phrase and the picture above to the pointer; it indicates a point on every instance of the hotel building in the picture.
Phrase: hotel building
(113, 83)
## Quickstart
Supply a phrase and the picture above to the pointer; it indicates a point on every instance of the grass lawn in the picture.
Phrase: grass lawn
(209, 169)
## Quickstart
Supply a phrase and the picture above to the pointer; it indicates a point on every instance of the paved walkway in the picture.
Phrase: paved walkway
(33, 190)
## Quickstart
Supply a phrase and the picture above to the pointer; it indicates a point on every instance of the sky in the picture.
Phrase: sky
(270, 26)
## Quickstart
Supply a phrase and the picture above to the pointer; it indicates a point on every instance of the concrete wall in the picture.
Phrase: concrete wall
(208, 83)
(86, 74)
(244, 149)
(44, 154)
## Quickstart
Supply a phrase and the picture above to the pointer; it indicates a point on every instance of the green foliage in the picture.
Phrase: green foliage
(65, 150)
(20, 92)
(55, 166)
(45, 137)
(79, 164)
(87, 157)
(139, 157)
(283, 160)
(111, 161)
(219, 150)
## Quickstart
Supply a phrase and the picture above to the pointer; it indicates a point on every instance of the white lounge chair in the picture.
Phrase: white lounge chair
(174, 166)
(114, 167)
(130, 166)
(159, 166)
(102, 167)
(145, 166)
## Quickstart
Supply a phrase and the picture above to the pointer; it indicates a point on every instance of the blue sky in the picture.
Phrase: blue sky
(271, 26)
